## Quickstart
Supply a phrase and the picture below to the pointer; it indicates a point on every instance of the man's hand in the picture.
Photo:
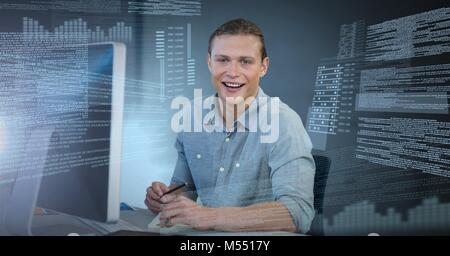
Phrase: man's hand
(183, 210)
(154, 198)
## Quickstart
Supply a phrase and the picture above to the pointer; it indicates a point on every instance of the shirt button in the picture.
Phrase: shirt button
(221, 169)
(199, 156)
(227, 139)
(237, 165)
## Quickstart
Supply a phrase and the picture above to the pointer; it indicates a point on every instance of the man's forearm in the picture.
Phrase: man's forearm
(258, 217)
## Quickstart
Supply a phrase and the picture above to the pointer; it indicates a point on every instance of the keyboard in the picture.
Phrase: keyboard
(107, 228)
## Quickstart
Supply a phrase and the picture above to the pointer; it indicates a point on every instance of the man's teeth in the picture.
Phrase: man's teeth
(233, 85)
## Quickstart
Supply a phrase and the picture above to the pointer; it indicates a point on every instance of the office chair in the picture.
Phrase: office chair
(323, 164)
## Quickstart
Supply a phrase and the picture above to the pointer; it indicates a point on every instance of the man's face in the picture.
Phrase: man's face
(236, 67)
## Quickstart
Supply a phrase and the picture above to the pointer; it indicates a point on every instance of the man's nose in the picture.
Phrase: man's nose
(233, 69)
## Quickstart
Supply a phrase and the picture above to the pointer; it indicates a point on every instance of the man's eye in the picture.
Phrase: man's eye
(221, 60)
(246, 62)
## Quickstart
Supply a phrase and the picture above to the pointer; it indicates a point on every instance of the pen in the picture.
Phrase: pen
(173, 189)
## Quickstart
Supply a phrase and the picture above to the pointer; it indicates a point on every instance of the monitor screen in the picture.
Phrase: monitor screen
(82, 170)
(62, 134)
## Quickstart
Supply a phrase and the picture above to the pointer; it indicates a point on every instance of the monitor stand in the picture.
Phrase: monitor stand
(21, 204)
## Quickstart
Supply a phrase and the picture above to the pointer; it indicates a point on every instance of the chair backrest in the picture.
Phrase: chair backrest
(323, 164)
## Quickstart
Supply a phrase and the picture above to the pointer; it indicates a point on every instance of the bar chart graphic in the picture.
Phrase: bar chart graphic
(363, 218)
(78, 27)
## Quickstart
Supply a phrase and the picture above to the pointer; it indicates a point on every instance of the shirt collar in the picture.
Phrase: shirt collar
(215, 118)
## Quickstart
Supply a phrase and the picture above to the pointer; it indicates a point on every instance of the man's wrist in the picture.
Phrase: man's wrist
(216, 221)
(221, 218)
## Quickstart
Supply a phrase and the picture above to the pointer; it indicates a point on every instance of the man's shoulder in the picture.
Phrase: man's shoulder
(290, 122)
(285, 113)
(291, 130)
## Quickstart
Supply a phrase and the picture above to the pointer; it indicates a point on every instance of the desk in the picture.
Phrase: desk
(62, 224)
(139, 218)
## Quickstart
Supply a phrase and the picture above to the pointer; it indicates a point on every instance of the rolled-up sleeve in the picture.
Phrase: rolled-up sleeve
(292, 171)
(182, 173)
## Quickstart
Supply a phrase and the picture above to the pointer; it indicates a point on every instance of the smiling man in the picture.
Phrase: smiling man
(242, 183)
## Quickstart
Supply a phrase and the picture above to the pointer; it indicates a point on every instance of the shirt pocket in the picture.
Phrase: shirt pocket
(200, 163)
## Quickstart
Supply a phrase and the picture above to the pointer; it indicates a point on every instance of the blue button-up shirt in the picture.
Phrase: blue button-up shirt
(233, 168)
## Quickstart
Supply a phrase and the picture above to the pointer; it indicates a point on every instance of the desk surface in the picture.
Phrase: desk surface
(62, 224)
(140, 217)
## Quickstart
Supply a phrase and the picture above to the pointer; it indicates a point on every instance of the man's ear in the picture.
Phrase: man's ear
(264, 66)
(208, 61)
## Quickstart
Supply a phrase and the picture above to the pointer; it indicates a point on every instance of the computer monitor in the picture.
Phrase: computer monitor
(79, 168)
